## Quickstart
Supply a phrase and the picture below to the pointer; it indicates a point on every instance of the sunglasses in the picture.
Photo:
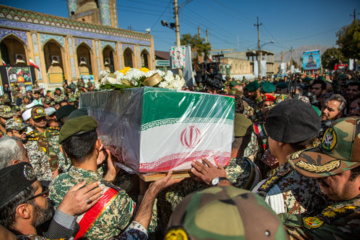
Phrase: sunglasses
(40, 119)
(44, 194)
(21, 131)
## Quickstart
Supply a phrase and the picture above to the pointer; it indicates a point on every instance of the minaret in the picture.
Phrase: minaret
(72, 7)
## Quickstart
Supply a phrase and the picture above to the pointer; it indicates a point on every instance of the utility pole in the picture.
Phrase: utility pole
(207, 35)
(282, 56)
(291, 51)
(354, 15)
(259, 50)
(199, 32)
(177, 30)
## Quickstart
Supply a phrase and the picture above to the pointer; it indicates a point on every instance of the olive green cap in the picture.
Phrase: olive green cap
(253, 86)
(242, 125)
(77, 126)
(282, 85)
(268, 87)
(226, 213)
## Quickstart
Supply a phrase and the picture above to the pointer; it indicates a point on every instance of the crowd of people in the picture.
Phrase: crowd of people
(294, 171)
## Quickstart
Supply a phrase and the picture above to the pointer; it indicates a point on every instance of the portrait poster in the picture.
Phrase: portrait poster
(178, 57)
(20, 76)
(311, 60)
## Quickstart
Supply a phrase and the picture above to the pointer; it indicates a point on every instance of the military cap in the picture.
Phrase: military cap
(268, 87)
(252, 86)
(282, 85)
(26, 115)
(6, 112)
(50, 111)
(25, 97)
(78, 113)
(16, 108)
(72, 99)
(77, 126)
(64, 111)
(14, 179)
(48, 91)
(57, 89)
(224, 213)
(15, 124)
(37, 112)
(281, 98)
(242, 125)
(292, 121)
(317, 110)
(267, 97)
(339, 151)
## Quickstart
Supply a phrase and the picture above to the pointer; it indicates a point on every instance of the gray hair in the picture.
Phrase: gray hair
(340, 99)
(10, 151)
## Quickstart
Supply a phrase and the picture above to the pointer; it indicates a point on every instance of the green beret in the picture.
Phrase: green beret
(282, 85)
(57, 89)
(317, 110)
(48, 91)
(307, 79)
(253, 86)
(77, 125)
(268, 87)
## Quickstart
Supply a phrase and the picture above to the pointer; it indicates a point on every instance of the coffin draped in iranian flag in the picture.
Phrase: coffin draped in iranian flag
(157, 130)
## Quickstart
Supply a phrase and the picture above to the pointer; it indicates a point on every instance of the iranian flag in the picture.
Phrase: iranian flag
(32, 63)
(19, 71)
(4, 63)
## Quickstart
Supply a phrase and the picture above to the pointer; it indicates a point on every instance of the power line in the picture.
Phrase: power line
(157, 20)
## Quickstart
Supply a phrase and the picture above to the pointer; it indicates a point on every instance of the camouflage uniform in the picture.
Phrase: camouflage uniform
(59, 99)
(287, 191)
(340, 220)
(241, 173)
(117, 215)
(339, 152)
(5, 112)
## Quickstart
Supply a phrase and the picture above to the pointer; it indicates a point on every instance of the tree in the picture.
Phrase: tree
(196, 42)
(349, 40)
(330, 57)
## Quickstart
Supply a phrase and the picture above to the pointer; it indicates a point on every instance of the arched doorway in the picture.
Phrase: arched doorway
(108, 56)
(13, 50)
(83, 53)
(54, 61)
(145, 59)
(128, 58)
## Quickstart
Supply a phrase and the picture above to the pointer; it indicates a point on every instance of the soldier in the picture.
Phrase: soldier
(5, 114)
(114, 211)
(268, 88)
(58, 96)
(291, 126)
(47, 139)
(25, 102)
(90, 86)
(336, 166)
(253, 89)
(16, 128)
(224, 213)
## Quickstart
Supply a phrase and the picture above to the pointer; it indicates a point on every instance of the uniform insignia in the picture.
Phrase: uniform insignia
(29, 173)
(176, 233)
(7, 109)
(18, 120)
(296, 155)
(39, 111)
(329, 140)
(312, 222)
(318, 169)
(330, 213)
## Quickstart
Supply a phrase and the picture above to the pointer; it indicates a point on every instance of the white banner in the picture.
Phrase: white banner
(256, 69)
(351, 64)
(292, 69)
(263, 68)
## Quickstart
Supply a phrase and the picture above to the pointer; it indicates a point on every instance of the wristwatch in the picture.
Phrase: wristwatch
(217, 180)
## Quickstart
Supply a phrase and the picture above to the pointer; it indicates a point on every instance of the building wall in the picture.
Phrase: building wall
(238, 66)
(33, 30)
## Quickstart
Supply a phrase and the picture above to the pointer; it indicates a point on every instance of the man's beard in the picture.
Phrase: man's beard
(41, 215)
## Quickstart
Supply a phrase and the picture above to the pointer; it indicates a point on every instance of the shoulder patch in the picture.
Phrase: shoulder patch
(312, 222)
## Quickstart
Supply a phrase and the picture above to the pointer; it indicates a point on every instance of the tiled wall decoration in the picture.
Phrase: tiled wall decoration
(72, 61)
(45, 37)
(20, 34)
(104, 44)
(79, 41)
(37, 54)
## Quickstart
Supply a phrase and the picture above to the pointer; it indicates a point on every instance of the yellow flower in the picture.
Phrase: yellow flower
(126, 69)
(144, 69)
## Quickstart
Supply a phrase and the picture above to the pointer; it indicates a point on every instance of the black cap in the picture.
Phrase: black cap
(64, 111)
(15, 179)
(292, 121)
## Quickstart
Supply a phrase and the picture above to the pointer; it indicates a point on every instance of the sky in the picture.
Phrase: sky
(230, 22)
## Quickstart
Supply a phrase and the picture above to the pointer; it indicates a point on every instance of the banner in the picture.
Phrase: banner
(263, 68)
(283, 67)
(20, 76)
(256, 69)
(178, 57)
(87, 78)
(311, 60)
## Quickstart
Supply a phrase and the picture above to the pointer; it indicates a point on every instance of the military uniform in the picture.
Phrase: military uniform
(241, 173)
(5, 112)
(59, 99)
(339, 152)
(287, 191)
(115, 217)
